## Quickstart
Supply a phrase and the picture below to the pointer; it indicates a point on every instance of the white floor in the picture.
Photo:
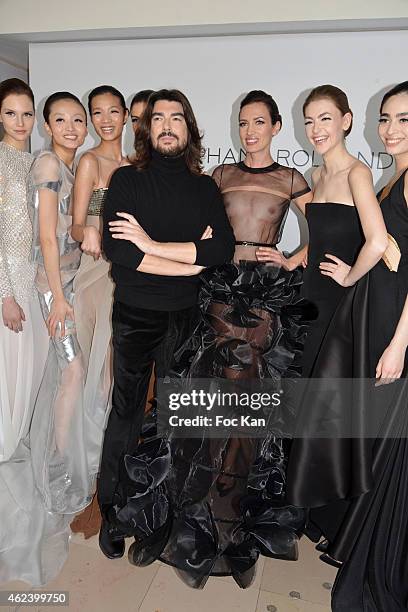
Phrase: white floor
(96, 584)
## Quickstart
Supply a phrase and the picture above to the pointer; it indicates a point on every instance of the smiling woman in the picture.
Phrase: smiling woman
(373, 536)
(347, 238)
(57, 444)
(252, 332)
(93, 286)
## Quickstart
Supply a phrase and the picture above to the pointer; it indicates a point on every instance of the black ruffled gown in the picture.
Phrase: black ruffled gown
(211, 506)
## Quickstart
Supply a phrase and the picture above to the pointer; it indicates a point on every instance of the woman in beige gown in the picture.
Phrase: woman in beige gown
(93, 285)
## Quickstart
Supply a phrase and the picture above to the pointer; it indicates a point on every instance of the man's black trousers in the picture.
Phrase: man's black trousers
(141, 338)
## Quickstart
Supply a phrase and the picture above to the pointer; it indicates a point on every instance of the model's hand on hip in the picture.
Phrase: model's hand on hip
(273, 256)
(337, 269)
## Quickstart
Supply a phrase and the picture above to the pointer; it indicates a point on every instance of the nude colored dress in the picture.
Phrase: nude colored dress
(93, 288)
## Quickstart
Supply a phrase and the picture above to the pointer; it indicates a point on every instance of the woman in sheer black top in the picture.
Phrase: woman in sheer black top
(226, 494)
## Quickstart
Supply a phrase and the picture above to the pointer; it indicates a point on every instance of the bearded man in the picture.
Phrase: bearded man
(164, 221)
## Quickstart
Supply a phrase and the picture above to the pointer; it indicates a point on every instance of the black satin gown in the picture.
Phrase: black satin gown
(373, 539)
(333, 229)
(327, 470)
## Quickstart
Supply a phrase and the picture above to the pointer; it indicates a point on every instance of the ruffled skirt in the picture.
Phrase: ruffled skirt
(211, 506)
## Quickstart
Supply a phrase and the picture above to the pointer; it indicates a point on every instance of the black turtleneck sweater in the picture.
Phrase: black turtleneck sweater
(172, 205)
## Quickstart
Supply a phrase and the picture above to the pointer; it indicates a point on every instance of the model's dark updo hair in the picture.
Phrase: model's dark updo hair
(106, 89)
(56, 97)
(257, 95)
(401, 88)
(336, 95)
(15, 86)
(141, 96)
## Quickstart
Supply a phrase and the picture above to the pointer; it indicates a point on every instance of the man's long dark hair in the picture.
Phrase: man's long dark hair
(143, 146)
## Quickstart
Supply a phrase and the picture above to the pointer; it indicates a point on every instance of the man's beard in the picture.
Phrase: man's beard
(173, 150)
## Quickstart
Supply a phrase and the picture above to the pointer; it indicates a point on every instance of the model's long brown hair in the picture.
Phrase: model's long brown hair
(143, 145)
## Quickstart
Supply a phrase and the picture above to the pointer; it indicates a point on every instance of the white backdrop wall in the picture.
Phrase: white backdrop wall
(25, 16)
(216, 72)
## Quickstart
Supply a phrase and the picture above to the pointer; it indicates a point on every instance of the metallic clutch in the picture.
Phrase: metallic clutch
(392, 255)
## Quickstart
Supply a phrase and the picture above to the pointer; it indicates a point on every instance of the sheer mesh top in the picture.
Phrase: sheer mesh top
(257, 199)
(49, 172)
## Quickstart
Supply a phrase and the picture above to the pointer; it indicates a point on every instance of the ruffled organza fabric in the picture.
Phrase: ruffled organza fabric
(211, 506)
(254, 323)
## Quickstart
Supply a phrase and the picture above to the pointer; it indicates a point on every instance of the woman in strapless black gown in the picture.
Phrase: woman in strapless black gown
(333, 228)
(218, 502)
(373, 539)
(330, 459)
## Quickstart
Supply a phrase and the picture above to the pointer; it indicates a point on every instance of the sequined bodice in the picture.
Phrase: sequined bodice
(16, 269)
(49, 172)
(97, 201)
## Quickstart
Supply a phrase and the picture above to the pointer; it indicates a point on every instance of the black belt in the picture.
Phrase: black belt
(256, 244)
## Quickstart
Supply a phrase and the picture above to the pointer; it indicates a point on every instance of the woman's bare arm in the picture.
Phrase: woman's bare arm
(85, 181)
(375, 233)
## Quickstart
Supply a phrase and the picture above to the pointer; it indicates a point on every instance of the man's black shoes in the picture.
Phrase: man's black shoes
(111, 540)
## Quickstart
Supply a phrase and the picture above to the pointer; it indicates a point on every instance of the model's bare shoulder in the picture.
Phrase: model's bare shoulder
(359, 172)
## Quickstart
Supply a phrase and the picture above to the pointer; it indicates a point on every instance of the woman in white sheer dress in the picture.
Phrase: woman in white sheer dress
(33, 541)
(56, 432)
